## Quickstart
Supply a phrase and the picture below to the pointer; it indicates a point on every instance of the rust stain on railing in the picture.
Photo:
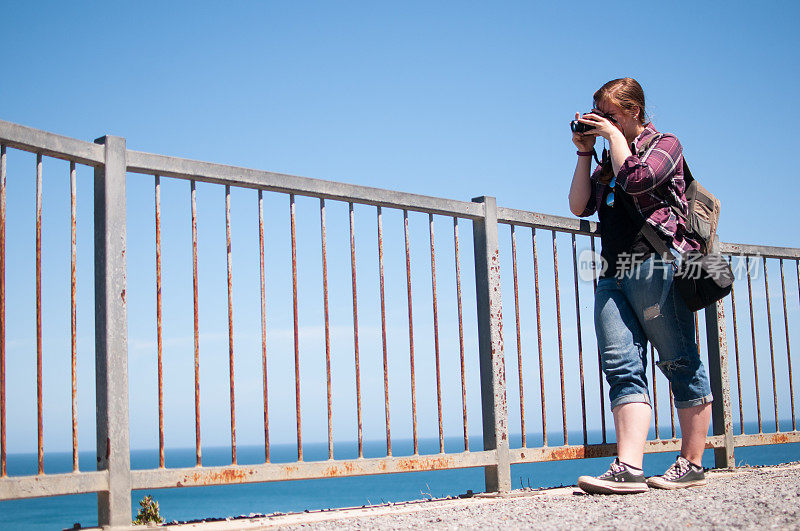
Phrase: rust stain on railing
(411, 333)
(262, 283)
(230, 320)
(356, 353)
(519, 334)
(384, 346)
(296, 329)
(560, 341)
(539, 333)
(216, 477)
(591, 451)
(323, 237)
(460, 334)
(159, 344)
(436, 336)
(39, 395)
(73, 312)
(425, 463)
(195, 298)
(571, 452)
(329, 469)
(760, 439)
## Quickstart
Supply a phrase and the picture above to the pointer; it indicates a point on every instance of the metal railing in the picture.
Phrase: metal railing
(114, 479)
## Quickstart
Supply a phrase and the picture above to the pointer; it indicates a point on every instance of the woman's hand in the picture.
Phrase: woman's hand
(583, 141)
(601, 126)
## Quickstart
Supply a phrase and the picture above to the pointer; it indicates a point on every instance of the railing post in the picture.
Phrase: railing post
(490, 345)
(721, 415)
(111, 335)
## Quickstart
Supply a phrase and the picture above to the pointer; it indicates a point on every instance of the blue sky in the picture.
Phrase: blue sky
(451, 99)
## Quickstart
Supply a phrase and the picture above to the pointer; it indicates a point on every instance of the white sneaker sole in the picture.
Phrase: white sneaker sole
(658, 483)
(592, 485)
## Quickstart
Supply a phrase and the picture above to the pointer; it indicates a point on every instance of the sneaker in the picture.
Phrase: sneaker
(619, 479)
(680, 475)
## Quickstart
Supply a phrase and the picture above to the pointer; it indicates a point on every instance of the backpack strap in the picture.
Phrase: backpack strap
(657, 243)
(689, 192)
(648, 146)
(688, 178)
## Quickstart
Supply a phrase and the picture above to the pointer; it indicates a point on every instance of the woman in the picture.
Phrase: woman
(640, 181)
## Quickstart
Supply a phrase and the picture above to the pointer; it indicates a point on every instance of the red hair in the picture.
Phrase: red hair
(624, 92)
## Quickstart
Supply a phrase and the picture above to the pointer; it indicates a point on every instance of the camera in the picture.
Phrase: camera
(579, 127)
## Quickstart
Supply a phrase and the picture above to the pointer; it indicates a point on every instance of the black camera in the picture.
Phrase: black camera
(579, 127)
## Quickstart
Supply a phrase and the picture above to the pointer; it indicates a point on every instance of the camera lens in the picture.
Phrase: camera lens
(579, 127)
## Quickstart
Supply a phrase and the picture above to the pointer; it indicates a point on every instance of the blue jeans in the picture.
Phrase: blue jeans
(640, 307)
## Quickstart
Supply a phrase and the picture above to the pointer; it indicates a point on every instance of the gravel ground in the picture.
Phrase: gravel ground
(767, 497)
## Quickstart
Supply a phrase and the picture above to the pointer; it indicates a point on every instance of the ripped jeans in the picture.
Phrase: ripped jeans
(645, 306)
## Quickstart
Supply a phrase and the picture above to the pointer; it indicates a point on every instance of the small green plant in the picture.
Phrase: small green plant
(148, 512)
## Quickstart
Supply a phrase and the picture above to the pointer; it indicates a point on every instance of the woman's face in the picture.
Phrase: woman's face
(625, 121)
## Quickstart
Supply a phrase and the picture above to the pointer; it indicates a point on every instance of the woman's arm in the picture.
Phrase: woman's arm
(620, 150)
(581, 189)
(637, 176)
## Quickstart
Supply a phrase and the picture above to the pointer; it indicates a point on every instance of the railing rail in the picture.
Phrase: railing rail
(114, 480)
(147, 163)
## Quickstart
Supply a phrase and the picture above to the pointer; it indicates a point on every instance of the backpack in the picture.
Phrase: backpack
(704, 210)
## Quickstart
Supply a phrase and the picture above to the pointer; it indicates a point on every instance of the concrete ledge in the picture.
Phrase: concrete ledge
(460, 512)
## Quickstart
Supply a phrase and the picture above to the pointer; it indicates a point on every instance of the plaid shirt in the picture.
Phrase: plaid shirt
(653, 177)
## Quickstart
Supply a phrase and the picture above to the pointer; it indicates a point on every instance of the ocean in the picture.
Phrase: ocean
(291, 496)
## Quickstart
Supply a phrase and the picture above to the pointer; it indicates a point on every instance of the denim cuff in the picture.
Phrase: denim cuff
(631, 398)
(695, 402)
